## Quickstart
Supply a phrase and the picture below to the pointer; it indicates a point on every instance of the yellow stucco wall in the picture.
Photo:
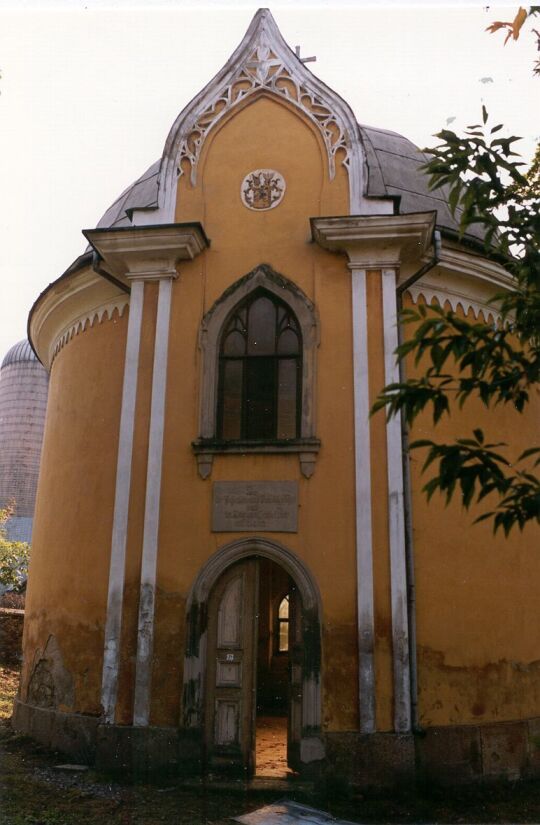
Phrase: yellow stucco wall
(477, 594)
(67, 591)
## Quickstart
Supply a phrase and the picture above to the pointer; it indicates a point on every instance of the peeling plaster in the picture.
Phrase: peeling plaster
(51, 684)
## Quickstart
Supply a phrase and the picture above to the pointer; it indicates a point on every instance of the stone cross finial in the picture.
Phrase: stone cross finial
(303, 59)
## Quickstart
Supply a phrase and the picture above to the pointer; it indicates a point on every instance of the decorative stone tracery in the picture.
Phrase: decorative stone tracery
(263, 64)
(481, 311)
(97, 315)
(265, 70)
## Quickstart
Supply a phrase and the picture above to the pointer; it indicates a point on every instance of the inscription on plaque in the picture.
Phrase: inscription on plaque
(240, 506)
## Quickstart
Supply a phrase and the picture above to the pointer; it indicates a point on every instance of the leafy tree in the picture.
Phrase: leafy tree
(513, 29)
(14, 557)
(461, 359)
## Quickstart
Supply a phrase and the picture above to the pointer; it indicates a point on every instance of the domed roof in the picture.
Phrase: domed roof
(143, 194)
(22, 351)
(392, 162)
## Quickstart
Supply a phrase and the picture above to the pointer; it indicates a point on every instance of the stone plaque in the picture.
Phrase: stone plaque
(240, 506)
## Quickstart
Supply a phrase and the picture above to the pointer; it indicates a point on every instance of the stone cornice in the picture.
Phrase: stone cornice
(467, 263)
(65, 308)
(376, 241)
(147, 252)
(465, 280)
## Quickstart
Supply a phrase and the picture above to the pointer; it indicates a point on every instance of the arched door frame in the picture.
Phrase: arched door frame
(311, 746)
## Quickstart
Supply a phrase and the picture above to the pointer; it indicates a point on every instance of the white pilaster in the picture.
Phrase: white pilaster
(135, 255)
(145, 637)
(364, 538)
(396, 518)
(111, 654)
(378, 242)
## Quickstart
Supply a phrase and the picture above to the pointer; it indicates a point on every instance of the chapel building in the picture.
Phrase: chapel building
(223, 535)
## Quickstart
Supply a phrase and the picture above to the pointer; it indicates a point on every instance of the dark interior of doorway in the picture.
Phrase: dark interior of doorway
(272, 670)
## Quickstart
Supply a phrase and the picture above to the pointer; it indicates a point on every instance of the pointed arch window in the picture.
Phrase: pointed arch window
(260, 372)
(282, 628)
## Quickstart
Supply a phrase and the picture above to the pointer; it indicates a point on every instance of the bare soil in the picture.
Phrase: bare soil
(271, 753)
(34, 792)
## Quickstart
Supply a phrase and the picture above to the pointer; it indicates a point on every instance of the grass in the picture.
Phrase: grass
(33, 793)
(9, 682)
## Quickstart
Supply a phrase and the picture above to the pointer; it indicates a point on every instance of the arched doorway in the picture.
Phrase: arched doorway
(253, 658)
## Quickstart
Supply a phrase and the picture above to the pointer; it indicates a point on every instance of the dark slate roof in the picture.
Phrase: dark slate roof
(142, 194)
(393, 171)
(22, 351)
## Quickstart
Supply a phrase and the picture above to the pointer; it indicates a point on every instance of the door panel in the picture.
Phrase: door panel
(230, 694)
(296, 660)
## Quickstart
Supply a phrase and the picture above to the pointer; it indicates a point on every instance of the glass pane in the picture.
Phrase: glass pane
(283, 636)
(283, 610)
(288, 343)
(260, 398)
(234, 344)
(232, 399)
(262, 327)
(287, 395)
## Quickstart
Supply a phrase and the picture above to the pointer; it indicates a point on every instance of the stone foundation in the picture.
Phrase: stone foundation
(504, 750)
(142, 752)
(370, 760)
(445, 755)
(71, 733)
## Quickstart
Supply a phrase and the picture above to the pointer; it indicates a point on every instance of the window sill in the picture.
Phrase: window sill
(306, 448)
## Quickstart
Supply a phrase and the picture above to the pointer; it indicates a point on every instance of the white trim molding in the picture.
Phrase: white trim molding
(364, 531)
(396, 516)
(147, 598)
(115, 597)
(263, 64)
(88, 319)
(464, 280)
(65, 307)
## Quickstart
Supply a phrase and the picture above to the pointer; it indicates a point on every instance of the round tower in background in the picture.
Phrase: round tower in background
(23, 402)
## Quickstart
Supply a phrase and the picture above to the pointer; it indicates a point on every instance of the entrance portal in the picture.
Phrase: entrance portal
(252, 666)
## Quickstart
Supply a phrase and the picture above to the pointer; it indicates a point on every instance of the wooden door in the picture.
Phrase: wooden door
(230, 693)
(296, 667)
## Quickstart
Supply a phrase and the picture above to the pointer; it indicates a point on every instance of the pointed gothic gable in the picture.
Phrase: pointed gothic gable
(263, 64)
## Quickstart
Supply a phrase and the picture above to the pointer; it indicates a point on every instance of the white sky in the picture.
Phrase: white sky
(90, 89)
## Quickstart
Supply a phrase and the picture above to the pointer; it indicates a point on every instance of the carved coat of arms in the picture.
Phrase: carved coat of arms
(262, 189)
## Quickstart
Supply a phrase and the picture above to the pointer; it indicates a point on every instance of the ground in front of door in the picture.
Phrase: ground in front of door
(34, 792)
